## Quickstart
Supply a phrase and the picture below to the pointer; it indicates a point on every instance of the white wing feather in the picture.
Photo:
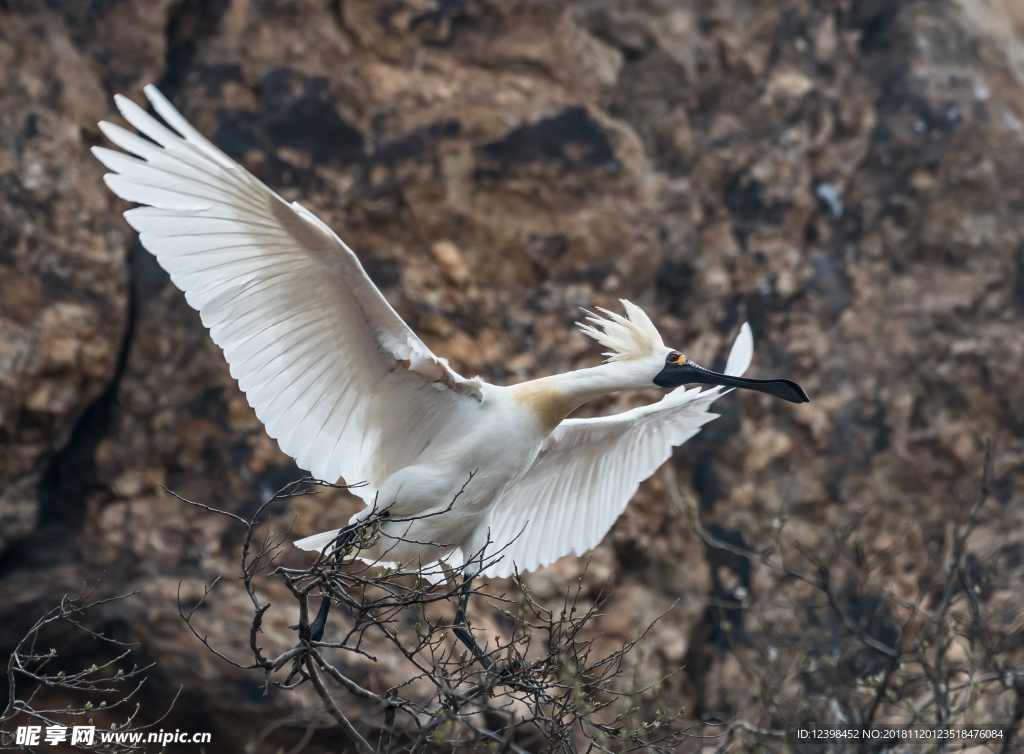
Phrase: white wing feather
(337, 377)
(589, 469)
(741, 354)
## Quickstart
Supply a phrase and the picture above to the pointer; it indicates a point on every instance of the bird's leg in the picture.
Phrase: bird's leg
(319, 624)
(316, 633)
(461, 627)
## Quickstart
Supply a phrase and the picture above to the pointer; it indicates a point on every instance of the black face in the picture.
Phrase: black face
(679, 370)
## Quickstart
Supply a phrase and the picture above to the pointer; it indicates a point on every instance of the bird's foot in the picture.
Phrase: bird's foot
(337, 548)
(354, 534)
(508, 672)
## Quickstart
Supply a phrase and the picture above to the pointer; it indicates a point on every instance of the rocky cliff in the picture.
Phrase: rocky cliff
(846, 175)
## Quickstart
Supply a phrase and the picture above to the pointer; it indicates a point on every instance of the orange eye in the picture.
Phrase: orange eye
(676, 358)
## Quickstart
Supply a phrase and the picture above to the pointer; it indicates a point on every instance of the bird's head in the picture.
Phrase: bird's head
(634, 341)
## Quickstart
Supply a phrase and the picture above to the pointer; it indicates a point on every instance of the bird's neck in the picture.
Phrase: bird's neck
(553, 398)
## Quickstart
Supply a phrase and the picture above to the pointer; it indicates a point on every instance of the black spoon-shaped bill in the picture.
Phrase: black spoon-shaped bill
(674, 375)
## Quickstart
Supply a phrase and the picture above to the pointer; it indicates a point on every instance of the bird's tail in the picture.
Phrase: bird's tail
(317, 542)
(431, 572)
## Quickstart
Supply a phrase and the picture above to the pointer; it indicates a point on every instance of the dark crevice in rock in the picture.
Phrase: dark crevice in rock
(876, 21)
(751, 208)
(1018, 287)
(831, 282)
(415, 144)
(572, 138)
(188, 23)
(722, 623)
(674, 283)
(706, 481)
(71, 477)
(859, 435)
(299, 113)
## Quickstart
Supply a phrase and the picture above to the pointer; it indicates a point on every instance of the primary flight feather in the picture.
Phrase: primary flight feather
(351, 393)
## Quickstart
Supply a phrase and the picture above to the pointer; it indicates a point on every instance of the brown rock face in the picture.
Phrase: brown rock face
(848, 176)
(63, 284)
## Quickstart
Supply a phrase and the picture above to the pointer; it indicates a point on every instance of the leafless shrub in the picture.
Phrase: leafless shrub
(845, 649)
(836, 643)
(101, 696)
(539, 686)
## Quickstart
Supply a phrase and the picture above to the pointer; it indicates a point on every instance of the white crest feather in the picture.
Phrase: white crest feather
(631, 337)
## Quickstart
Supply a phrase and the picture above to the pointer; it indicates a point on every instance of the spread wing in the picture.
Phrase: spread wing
(337, 377)
(589, 469)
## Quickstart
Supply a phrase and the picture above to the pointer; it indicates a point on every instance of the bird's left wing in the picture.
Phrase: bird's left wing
(337, 377)
(588, 470)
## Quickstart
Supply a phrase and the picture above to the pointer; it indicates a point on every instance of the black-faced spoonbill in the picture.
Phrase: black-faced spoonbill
(350, 392)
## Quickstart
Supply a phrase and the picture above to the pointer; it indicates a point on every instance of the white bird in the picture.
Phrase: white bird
(351, 393)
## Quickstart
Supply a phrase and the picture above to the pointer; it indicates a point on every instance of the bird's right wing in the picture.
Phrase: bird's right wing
(337, 377)
(589, 469)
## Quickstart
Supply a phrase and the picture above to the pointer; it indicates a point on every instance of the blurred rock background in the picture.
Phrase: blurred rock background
(847, 175)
